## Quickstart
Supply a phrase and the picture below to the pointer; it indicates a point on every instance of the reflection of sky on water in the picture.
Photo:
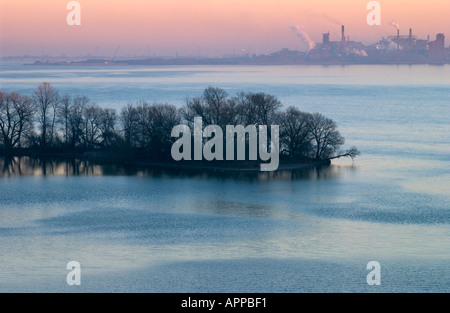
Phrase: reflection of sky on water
(134, 246)
(153, 229)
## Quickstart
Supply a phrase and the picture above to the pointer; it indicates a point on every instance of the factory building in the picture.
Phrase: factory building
(437, 51)
(392, 49)
(343, 49)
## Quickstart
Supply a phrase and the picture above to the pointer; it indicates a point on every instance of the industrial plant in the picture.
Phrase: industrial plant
(395, 49)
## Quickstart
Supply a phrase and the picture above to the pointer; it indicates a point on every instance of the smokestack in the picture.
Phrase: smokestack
(343, 34)
(326, 38)
(398, 39)
(410, 37)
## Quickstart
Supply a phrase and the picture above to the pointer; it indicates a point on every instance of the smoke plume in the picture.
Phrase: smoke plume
(394, 23)
(361, 53)
(301, 33)
(330, 19)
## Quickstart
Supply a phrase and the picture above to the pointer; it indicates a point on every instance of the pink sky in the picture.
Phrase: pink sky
(213, 27)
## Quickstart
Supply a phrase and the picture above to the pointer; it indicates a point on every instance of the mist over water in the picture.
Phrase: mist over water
(312, 230)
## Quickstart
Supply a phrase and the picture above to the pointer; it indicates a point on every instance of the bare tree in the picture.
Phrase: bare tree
(215, 107)
(163, 118)
(246, 112)
(155, 123)
(92, 132)
(263, 108)
(148, 128)
(129, 123)
(47, 100)
(76, 121)
(295, 137)
(352, 153)
(195, 107)
(107, 126)
(326, 139)
(25, 109)
(16, 113)
(64, 117)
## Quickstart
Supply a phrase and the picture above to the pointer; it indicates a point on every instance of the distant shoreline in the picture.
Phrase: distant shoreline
(231, 62)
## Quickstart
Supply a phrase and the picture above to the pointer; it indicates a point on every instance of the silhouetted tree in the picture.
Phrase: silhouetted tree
(107, 126)
(129, 124)
(262, 108)
(76, 121)
(148, 127)
(352, 153)
(64, 117)
(47, 100)
(92, 133)
(145, 129)
(214, 107)
(163, 118)
(295, 136)
(326, 139)
(16, 113)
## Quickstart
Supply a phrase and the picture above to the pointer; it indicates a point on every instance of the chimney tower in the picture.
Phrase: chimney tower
(410, 38)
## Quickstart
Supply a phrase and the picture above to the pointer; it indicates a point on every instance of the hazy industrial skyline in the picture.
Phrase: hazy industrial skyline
(202, 27)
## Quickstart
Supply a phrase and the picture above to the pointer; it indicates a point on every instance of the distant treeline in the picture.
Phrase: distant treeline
(47, 122)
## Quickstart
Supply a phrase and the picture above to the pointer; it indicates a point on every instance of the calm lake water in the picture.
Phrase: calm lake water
(308, 231)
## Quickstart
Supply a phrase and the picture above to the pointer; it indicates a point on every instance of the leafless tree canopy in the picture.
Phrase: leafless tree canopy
(51, 122)
(46, 99)
(214, 107)
(296, 139)
(16, 116)
(326, 139)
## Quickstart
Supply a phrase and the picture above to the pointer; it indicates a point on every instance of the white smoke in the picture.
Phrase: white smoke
(393, 46)
(330, 19)
(394, 23)
(361, 53)
(301, 33)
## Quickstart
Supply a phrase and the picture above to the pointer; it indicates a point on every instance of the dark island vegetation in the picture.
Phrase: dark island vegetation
(48, 124)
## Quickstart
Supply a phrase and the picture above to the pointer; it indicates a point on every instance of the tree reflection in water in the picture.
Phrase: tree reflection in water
(32, 166)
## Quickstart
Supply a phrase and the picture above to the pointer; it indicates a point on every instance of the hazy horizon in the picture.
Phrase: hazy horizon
(200, 27)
